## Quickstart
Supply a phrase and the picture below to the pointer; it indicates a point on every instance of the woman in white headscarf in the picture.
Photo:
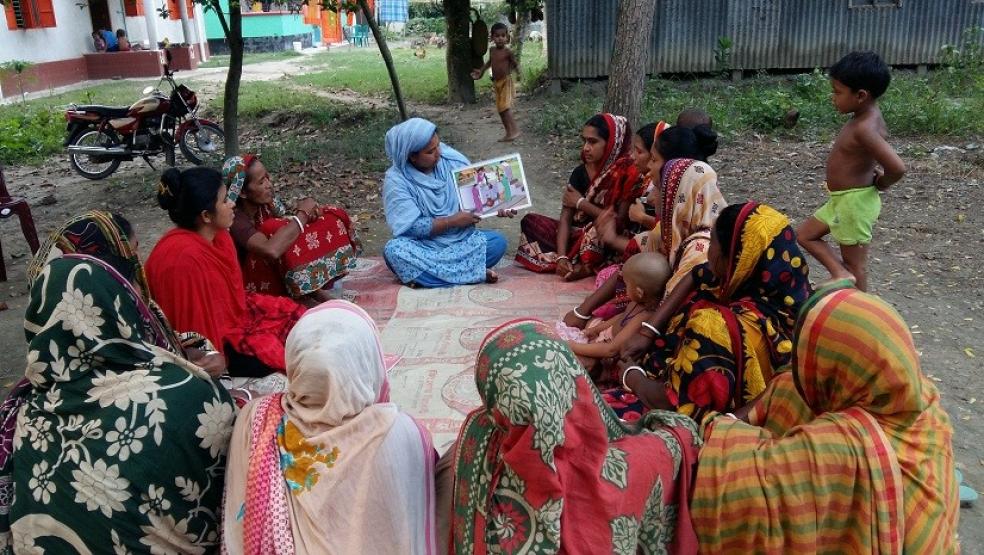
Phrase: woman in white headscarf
(331, 466)
(435, 243)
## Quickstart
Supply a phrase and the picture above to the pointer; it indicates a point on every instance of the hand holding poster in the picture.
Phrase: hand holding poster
(487, 187)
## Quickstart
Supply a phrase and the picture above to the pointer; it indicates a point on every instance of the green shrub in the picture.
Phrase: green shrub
(431, 9)
(29, 135)
(425, 25)
(913, 105)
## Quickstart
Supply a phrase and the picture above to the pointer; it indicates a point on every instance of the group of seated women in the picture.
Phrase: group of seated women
(769, 418)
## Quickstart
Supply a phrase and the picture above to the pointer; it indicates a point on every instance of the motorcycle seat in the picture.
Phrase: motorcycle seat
(106, 111)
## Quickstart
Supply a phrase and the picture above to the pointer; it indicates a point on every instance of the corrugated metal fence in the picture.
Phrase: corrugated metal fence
(766, 34)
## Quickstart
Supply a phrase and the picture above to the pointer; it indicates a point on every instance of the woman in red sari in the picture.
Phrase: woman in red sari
(300, 253)
(607, 178)
(194, 276)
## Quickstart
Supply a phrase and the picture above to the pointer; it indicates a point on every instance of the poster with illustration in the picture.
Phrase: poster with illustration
(492, 185)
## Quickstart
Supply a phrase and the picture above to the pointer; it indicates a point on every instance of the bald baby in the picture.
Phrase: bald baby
(645, 276)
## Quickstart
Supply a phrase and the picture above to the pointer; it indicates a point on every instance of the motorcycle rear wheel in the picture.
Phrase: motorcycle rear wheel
(94, 167)
(204, 146)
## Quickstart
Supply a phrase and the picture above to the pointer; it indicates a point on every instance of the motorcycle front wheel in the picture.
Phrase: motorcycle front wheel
(204, 145)
(92, 166)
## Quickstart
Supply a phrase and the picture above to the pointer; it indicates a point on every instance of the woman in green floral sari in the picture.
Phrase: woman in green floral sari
(121, 445)
(544, 466)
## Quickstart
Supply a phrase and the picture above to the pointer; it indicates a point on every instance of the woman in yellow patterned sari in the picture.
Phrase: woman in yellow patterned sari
(850, 451)
(728, 339)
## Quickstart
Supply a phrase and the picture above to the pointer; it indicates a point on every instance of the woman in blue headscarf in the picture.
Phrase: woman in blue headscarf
(435, 243)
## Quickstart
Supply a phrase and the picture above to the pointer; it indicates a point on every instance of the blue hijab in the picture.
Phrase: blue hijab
(434, 194)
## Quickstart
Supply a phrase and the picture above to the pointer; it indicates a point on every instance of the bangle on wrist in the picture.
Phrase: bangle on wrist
(732, 415)
(652, 328)
(559, 258)
(625, 374)
(577, 205)
(580, 316)
(299, 223)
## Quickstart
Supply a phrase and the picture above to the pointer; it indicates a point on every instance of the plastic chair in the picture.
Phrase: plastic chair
(362, 35)
(10, 206)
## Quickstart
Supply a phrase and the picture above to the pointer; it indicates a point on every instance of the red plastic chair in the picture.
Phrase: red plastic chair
(16, 205)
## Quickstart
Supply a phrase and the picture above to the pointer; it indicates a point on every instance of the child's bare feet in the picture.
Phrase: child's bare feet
(491, 277)
(510, 138)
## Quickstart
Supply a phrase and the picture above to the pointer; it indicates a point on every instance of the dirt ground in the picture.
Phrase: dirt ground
(926, 254)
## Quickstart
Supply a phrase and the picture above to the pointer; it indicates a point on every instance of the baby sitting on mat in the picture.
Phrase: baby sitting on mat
(645, 276)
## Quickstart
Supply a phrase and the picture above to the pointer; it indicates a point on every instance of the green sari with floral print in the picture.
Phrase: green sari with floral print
(120, 447)
(546, 467)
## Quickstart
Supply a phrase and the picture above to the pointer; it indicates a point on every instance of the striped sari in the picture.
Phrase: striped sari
(850, 452)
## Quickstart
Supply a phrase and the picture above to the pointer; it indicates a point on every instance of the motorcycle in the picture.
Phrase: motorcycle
(100, 137)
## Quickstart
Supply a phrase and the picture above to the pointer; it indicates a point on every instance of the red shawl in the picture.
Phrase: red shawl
(199, 286)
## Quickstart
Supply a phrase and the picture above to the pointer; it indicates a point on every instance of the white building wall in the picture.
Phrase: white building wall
(72, 34)
(69, 38)
(136, 29)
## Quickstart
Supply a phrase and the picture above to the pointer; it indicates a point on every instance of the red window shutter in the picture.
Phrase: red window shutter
(8, 8)
(133, 8)
(46, 13)
(173, 10)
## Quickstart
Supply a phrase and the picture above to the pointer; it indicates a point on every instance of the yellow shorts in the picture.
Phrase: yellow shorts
(851, 214)
(505, 90)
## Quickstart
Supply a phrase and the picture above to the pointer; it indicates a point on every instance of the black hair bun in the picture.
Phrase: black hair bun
(169, 188)
(707, 140)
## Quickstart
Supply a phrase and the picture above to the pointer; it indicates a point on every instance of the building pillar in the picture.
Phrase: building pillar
(186, 28)
(200, 29)
(150, 17)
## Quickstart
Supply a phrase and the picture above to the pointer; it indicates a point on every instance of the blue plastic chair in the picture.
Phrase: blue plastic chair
(362, 35)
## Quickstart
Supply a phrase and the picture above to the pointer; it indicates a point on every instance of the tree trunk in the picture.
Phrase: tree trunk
(519, 34)
(461, 86)
(230, 106)
(387, 57)
(627, 76)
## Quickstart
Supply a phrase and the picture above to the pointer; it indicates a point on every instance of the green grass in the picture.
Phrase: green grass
(942, 104)
(34, 130)
(30, 131)
(251, 58)
(422, 80)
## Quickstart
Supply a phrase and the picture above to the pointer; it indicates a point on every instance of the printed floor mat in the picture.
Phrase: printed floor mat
(437, 332)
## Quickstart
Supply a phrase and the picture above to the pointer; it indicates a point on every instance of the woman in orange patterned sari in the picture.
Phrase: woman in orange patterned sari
(851, 450)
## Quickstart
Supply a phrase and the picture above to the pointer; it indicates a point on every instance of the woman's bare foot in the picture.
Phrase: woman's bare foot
(579, 272)
(510, 138)
(491, 277)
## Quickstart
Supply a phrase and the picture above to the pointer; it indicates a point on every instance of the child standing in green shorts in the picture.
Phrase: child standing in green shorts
(854, 177)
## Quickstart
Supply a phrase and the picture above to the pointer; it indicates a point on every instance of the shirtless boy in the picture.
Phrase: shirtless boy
(503, 64)
(861, 163)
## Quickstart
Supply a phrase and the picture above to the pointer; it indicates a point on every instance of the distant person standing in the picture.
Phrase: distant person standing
(503, 64)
